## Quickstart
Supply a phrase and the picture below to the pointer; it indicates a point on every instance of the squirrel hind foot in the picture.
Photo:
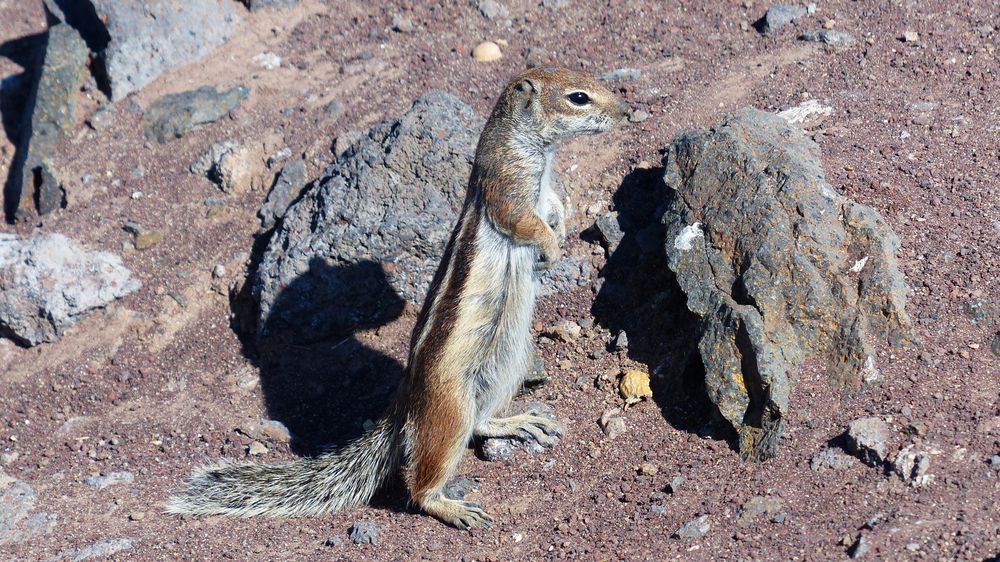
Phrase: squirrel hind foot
(461, 514)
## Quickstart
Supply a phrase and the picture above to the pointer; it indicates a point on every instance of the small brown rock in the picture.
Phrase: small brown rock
(147, 239)
(565, 330)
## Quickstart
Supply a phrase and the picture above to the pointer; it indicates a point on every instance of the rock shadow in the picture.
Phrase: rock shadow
(18, 92)
(640, 296)
(315, 376)
(17, 100)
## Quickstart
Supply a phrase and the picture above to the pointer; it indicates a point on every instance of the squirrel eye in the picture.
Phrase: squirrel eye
(579, 98)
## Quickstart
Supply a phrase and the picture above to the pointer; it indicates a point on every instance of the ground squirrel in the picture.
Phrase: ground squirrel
(471, 344)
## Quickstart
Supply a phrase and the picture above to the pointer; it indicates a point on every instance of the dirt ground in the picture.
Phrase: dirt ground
(159, 382)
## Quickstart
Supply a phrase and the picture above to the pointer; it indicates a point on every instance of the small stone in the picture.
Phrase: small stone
(267, 61)
(995, 461)
(911, 36)
(867, 439)
(675, 484)
(917, 428)
(103, 549)
(830, 459)
(137, 516)
(657, 509)
(638, 116)
(648, 469)
(622, 75)
(9, 458)
(459, 487)
(146, 239)
(608, 231)
(535, 57)
(757, 506)
(498, 449)
(830, 37)
(257, 449)
(102, 118)
(493, 10)
(621, 341)
(695, 528)
(564, 330)
(778, 16)
(219, 271)
(612, 424)
(487, 51)
(403, 24)
(267, 429)
(102, 482)
(912, 464)
(334, 541)
(995, 344)
(364, 532)
(859, 548)
(258, 5)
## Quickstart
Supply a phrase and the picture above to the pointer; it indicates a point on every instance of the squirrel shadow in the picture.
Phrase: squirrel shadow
(316, 377)
(324, 384)
(640, 296)
(17, 103)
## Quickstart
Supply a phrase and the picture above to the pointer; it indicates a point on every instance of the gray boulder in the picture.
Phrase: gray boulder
(150, 37)
(49, 282)
(777, 266)
(373, 230)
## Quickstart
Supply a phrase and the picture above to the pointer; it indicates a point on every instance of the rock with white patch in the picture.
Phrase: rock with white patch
(777, 266)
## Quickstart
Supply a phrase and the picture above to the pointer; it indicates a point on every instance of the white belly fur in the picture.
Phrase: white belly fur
(496, 316)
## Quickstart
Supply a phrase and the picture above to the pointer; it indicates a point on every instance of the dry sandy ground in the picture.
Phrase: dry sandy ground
(159, 382)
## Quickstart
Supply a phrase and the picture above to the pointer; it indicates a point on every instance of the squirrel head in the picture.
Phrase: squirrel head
(556, 103)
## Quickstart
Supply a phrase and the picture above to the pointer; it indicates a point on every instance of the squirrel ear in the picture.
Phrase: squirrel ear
(526, 90)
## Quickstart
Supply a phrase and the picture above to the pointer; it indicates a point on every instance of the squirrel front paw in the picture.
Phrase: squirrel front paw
(549, 253)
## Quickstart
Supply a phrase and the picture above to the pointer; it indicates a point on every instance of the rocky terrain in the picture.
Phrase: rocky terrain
(774, 335)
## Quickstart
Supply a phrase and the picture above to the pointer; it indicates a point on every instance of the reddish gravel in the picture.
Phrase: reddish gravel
(152, 385)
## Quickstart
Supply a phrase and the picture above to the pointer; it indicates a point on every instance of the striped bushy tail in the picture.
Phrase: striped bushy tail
(330, 482)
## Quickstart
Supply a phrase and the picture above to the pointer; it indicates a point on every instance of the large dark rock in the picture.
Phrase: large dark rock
(49, 118)
(382, 214)
(150, 37)
(49, 282)
(777, 266)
